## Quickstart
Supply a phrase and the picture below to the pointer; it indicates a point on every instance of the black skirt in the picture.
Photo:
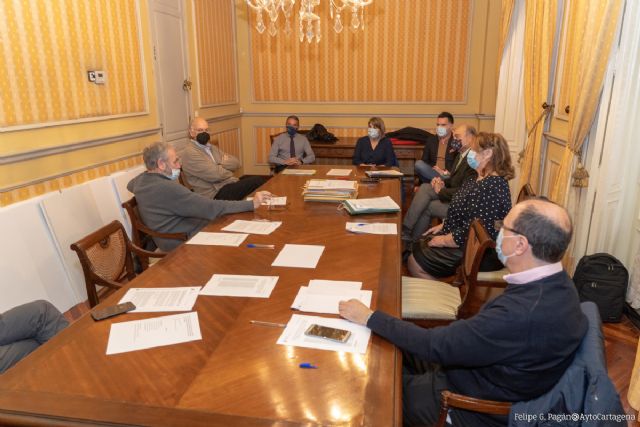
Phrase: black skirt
(443, 262)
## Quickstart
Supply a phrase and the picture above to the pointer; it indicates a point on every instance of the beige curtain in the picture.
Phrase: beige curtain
(505, 24)
(540, 27)
(592, 25)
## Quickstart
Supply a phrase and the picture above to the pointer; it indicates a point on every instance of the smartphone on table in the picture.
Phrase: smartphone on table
(114, 310)
(333, 334)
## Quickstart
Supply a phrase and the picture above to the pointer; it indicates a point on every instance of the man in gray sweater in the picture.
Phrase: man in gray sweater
(168, 207)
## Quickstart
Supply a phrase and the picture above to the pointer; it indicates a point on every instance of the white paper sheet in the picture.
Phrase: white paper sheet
(388, 172)
(323, 300)
(217, 239)
(331, 184)
(155, 332)
(301, 256)
(253, 227)
(339, 172)
(334, 286)
(372, 228)
(290, 171)
(384, 202)
(294, 335)
(240, 286)
(149, 300)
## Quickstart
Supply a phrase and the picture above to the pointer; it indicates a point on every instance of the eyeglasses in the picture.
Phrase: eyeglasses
(500, 224)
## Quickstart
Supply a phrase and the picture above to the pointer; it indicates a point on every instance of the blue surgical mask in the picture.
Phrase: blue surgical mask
(441, 131)
(291, 130)
(472, 160)
(501, 256)
(373, 133)
(175, 173)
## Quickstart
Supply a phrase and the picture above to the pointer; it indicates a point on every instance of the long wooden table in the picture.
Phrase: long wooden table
(236, 375)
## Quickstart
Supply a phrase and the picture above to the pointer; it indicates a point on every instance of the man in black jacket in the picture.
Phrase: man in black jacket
(439, 151)
(519, 344)
(432, 199)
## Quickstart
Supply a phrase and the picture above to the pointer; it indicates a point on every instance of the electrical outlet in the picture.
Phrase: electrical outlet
(91, 75)
(101, 77)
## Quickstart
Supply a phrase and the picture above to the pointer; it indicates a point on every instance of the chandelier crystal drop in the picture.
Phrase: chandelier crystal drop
(308, 20)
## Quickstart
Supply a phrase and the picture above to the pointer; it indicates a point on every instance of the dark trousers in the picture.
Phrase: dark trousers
(422, 384)
(241, 189)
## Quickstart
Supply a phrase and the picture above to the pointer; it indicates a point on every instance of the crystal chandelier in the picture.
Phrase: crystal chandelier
(308, 20)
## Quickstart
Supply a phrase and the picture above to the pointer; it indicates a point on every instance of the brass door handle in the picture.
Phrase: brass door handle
(186, 85)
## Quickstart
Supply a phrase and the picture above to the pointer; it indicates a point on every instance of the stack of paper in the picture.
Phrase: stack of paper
(372, 228)
(339, 172)
(329, 190)
(373, 205)
(384, 173)
(233, 285)
(290, 171)
(323, 296)
(294, 335)
(253, 227)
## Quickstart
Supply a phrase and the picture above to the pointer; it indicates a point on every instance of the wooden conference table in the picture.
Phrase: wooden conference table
(236, 375)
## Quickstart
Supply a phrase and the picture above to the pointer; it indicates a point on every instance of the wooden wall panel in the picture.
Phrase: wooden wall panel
(216, 52)
(401, 57)
(46, 49)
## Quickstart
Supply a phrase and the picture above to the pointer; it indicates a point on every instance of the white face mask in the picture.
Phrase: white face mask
(373, 133)
(441, 131)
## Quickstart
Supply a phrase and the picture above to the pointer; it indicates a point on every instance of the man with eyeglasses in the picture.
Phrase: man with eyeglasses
(518, 345)
(432, 198)
(210, 171)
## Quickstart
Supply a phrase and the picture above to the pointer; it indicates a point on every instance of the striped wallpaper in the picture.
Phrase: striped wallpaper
(229, 142)
(46, 49)
(400, 57)
(215, 42)
(28, 192)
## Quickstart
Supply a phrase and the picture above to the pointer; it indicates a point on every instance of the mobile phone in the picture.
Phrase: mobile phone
(114, 310)
(333, 334)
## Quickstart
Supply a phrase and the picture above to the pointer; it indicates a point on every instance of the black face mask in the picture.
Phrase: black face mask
(203, 138)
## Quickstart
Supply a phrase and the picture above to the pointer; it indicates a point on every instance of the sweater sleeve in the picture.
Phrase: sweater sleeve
(446, 193)
(188, 204)
(357, 153)
(390, 155)
(482, 340)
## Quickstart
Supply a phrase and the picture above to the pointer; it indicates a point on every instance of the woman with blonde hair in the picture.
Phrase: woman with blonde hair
(486, 197)
(375, 148)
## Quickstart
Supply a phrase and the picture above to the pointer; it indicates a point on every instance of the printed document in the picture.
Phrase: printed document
(155, 332)
(289, 171)
(326, 299)
(294, 335)
(233, 285)
(217, 239)
(252, 227)
(149, 300)
(339, 172)
(301, 256)
(372, 228)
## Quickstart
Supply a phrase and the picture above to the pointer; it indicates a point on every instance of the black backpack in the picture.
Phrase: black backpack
(320, 133)
(603, 279)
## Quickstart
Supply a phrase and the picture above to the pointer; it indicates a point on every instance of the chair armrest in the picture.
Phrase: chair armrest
(150, 232)
(100, 281)
(454, 400)
(144, 253)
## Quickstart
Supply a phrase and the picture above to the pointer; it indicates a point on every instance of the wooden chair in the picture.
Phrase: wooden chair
(526, 192)
(589, 360)
(140, 233)
(182, 179)
(429, 303)
(106, 259)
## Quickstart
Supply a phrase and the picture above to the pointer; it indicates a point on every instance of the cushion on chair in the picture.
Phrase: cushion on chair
(492, 276)
(429, 299)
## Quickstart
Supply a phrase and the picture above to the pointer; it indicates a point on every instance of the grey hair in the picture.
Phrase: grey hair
(154, 152)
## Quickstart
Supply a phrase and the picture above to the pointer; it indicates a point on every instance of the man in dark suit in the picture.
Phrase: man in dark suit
(439, 151)
(432, 199)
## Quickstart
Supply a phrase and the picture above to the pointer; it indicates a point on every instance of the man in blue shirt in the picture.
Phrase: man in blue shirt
(291, 148)
(519, 344)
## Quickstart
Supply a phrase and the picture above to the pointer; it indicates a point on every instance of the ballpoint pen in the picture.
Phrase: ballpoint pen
(308, 366)
(273, 324)
(260, 246)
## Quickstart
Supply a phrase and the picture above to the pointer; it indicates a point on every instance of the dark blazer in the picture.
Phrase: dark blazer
(382, 155)
(430, 152)
(458, 176)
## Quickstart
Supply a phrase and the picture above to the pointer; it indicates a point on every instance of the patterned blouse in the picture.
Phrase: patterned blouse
(488, 199)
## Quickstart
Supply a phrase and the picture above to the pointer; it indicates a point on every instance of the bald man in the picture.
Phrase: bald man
(209, 170)
(519, 344)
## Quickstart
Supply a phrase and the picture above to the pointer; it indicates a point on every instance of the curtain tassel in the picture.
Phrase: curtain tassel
(580, 177)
